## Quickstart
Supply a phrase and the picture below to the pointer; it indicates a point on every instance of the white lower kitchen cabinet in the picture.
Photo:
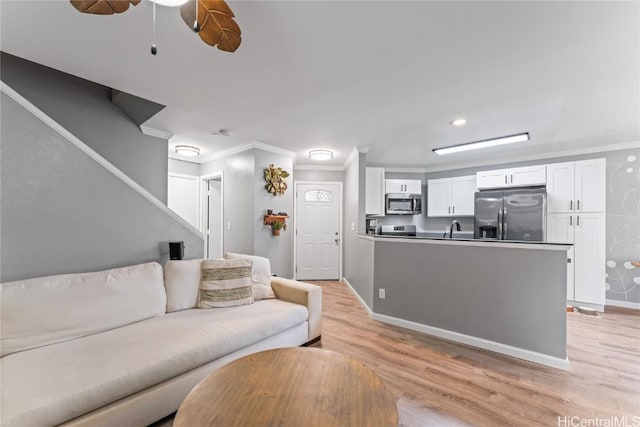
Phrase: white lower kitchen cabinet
(590, 258)
(586, 260)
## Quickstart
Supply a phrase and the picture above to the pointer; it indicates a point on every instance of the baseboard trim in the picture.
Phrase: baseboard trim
(624, 304)
(364, 304)
(520, 353)
(598, 307)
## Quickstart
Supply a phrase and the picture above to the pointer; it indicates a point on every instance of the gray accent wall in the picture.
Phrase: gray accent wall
(279, 249)
(357, 267)
(496, 293)
(84, 108)
(62, 212)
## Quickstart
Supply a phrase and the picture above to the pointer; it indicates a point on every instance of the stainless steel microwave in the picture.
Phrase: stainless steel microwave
(403, 204)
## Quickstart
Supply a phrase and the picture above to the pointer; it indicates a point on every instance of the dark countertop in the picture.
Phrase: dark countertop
(438, 236)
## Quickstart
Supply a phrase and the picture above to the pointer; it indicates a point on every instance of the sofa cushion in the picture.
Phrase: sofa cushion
(260, 274)
(53, 309)
(50, 385)
(225, 283)
(182, 283)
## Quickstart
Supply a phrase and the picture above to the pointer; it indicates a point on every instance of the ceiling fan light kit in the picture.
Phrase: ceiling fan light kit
(320, 154)
(521, 137)
(187, 150)
(212, 20)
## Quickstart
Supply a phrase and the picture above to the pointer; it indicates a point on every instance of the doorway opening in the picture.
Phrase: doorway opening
(214, 216)
(318, 230)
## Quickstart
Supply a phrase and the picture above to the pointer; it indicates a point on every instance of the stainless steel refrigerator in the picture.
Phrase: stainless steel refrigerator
(514, 214)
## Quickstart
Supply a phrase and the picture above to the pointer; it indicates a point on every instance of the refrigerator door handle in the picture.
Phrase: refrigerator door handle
(500, 224)
(504, 227)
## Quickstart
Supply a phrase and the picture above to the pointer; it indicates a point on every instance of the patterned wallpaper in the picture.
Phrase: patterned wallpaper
(623, 225)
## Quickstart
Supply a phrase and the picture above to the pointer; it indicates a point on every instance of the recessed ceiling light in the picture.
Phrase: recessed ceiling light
(320, 154)
(187, 150)
(459, 122)
(521, 137)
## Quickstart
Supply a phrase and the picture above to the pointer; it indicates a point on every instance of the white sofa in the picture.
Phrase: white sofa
(124, 347)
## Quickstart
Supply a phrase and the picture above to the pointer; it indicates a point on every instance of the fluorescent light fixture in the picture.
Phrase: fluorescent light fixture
(320, 154)
(459, 122)
(170, 3)
(521, 137)
(187, 150)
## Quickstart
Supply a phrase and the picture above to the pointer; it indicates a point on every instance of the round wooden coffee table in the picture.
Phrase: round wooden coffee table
(290, 387)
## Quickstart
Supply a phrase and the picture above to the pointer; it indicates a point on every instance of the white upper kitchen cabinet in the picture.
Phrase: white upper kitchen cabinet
(451, 196)
(560, 187)
(439, 197)
(590, 190)
(513, 177)
(577, 186)
(374, 202)
(408, 186)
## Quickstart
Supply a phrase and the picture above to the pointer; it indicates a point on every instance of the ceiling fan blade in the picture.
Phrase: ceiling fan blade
(103, 7)
(215, 19)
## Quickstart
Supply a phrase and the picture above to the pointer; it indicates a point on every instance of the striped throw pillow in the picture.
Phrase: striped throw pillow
(225, 283)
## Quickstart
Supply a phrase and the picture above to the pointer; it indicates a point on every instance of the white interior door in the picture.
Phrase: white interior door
(183, 197)
(318, 231)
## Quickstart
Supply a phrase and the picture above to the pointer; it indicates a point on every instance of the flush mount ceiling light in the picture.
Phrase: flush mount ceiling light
(521, 137)
(320, 154)
(459, 122)
(187, 150)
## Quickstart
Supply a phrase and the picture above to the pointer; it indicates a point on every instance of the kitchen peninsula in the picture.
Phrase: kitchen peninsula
(508, 297)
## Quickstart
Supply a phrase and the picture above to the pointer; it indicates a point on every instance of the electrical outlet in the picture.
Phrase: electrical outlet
(381, 293)
(229, 225)
(353, 226)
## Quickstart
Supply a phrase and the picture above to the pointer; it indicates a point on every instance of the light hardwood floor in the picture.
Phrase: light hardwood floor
(437, 382)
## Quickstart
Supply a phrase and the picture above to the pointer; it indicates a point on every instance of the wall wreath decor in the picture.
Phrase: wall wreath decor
(276, 180)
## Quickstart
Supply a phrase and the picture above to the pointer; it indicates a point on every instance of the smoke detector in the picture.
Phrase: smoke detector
(222, 132)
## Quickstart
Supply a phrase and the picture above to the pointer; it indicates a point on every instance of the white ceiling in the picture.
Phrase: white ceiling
(386, 76)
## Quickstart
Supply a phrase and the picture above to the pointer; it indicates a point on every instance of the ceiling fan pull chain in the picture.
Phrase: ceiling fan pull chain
(154, 49)
(196, 25)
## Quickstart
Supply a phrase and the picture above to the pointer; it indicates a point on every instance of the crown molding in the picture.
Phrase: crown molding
(244, 147)
(541, 156)
(273, 149)
(318, 167)
(149, 131)
(350, 158)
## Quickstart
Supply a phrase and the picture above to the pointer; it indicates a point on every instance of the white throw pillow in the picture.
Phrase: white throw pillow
(225, 283)
(182, 283)
(260, 274)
